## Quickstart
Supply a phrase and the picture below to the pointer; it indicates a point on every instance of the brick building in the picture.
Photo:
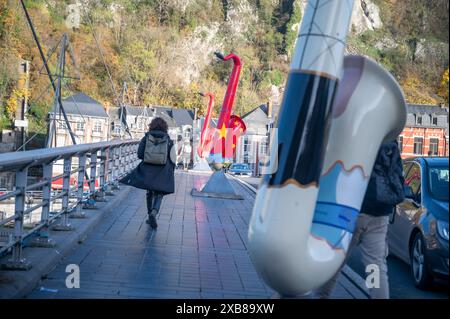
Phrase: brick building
(88, 120)
(425, 132)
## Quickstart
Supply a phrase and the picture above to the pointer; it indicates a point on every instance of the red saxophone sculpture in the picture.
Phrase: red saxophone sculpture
(229, 127)
(206, 135)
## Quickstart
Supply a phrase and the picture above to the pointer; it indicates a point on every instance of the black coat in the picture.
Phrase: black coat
(385, 188)
(159, 178)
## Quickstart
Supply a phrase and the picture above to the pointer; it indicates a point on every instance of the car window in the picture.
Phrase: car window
(239, 166)
(438, 182)
(413, 179)
(406, 167)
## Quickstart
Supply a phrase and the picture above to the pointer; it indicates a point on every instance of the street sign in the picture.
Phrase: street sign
(21, 123)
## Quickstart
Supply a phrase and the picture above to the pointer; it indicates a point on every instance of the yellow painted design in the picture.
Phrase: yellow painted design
(223, 131)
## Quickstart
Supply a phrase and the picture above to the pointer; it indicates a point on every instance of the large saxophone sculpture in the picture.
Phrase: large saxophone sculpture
(229, 127)
(335, 115)
(206, 129)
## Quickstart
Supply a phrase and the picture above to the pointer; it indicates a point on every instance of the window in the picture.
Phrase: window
(3, 182)
(97, 127)
(61, 141)
(80, 126)
(419, 120)
(434, 120)
(438, 182)
(263, 148)
(139, 124)
(406, 167)
(61, 125)
(117, 128)
(434, 146)
(246, 149)
(400, 143)
(246, 144)
(412, 179)
(418, 145)
(187, 133)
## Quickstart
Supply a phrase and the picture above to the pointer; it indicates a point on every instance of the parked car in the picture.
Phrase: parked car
(240, 169)
(418, 233)
(3, 191)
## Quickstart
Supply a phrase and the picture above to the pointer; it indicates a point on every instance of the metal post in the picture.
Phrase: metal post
(109, 162)
(64, 225)
(78, 213)
(90, 203)
(116, 167)
(122, 161)
(17, 262)
(101, 178)
(43, 239)
(126, 158)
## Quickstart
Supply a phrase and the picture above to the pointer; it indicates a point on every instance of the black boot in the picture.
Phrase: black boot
(152, 219)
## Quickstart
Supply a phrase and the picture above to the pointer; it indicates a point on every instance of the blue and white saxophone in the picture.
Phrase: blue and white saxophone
(336, 112)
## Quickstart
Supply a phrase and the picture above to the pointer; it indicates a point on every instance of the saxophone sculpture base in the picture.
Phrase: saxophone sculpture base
(218, 186)
(202, 166)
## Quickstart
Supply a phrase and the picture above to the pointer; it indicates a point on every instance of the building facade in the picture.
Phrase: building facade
(87, 118)
(425, 132)
(137, 119)
(253, 147)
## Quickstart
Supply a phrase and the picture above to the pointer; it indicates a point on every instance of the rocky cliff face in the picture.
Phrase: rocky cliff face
(366, 15)
(240, 16)
(164, 49)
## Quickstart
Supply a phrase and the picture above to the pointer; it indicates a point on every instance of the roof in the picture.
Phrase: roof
(157, 111)
(427, 109)
(166, 117)
(183, 116)
(81, 104)
(262, 107)
(178, 117)
(137, 110)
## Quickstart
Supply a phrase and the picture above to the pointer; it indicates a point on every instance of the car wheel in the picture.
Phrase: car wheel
(419, 270)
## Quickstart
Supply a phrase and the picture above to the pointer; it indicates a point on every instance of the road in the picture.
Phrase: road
(254, 181)
(400, 281)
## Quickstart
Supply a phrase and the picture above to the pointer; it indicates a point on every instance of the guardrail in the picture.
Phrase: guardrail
(108, 162)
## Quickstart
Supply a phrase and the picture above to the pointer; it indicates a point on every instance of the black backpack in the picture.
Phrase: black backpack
(156, 150)
(386, 184)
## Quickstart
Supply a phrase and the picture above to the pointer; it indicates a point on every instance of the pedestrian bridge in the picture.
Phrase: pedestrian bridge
(198, 250)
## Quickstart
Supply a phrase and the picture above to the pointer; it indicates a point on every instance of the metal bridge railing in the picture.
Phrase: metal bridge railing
(90, 172)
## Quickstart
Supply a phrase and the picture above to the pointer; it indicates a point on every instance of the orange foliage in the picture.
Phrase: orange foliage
(416, 91)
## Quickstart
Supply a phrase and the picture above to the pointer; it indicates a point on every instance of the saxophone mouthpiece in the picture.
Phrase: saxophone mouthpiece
(219, 55)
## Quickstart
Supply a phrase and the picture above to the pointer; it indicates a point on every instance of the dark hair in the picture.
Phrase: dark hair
(158, 124)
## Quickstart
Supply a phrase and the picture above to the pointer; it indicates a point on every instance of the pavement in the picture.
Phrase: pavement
(16, 284)
(198, 251)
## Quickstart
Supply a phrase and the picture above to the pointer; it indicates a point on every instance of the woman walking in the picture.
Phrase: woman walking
(156, 171)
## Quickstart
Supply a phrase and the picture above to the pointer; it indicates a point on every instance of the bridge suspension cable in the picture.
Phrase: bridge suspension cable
(113, 87)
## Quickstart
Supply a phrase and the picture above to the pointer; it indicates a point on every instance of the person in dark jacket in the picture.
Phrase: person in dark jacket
(384, 191)
(158, 180)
